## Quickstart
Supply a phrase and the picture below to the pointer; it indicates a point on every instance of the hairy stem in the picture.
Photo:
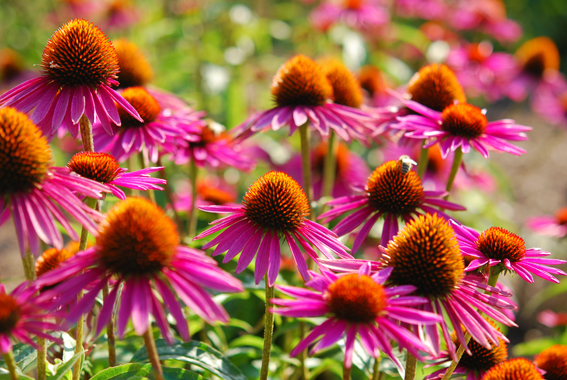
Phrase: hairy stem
(268, 331)
(86, 134)
(152, 353)
(346, 371)
(193, 213)
(303, 354)
(329, 168)
(151, 194)
(411, 366)
(111, 337)
(422, 161)
(306, 165)
(11, 364)
(376, 370)
(454, 169)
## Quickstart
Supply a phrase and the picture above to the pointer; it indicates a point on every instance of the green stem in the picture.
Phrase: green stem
(346, 371)
(151, 349)
(376, 370)
(192, 217)
(306, 166)
(28, 262)
(169, 195)
(86, 134)
(454, 169)
(422, 162)
(132, 165)
(151, 193)
(303, 354)
(11, 364)
(41, 358)
(268, 331)
(111, 338)
(329, 168)
(411, 366)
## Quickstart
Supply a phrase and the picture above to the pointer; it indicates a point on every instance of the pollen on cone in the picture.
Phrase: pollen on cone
(101, 167)
(135, 70)
(513, 369)
(147, 106)
(436, 86)
(464, 120)
(346, 88)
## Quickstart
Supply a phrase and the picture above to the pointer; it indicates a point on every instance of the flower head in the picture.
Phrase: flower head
(79, 65)
(274, 207)
(538, 55)
(554, 362)
(388, 193)
(514, 369)
(435, 86)
(135, 69)
(555, 225)
(552, 319)
(138, 245)
(21, 317)
(356, 303)
(346, 88)
(104, 168)
(35, 192)
(497, 246)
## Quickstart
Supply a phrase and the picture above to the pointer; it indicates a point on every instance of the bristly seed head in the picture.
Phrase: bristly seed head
(147, 106)
(135, 69)
(464, 120)
(561, 216)
(392, 192)
(554, 362)
(426, 254)
(346, 89)
(101, 167)
(300, 81)
(371, 80)
(9, 313)
(514, 369)
(436, 86)
(79, 53)
(356, 299)
(276, 202)
(214, 195)
(25, 156)
(51, 259)
(137, 238)
(538, 55)
(498, 244)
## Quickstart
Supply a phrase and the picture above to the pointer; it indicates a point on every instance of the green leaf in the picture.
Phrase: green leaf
(5, 375)
(144, 371)
(196, 353)
(533, 347)
(24, 355)
(65, 367)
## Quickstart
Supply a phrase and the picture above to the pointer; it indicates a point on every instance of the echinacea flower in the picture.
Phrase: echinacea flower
(138, 250)
(104, 168)
(391, 194)
(424, 9)
(135, 70)
(497, 246)
(22, 316)
(514, 369)
(302, 94)
(79, 67)
(550, 102)
(158, 129)
(372, 82)
(34, 192)
(555, 225)
(552, 319)
(357, 303)
(274, 207)
(554, 362)
(472, 366)
(462, 126)
(364, 15)
(210, 191)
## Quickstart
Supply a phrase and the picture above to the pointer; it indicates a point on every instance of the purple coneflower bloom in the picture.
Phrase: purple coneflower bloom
(388, 193)
(496, 246)
(274, 207)
(160, 128)
(303, 94)
(210, 191)
(103, 168)
(79, 67)
(357, 303)
(426, 254)
(36, 193)
(555, 225)
(362, 15)
(462, 125)
(21, 316)
(138, 245)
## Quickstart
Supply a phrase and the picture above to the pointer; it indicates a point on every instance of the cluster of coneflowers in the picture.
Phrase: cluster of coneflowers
(433, 291)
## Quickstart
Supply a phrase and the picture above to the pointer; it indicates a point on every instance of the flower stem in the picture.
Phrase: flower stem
(411, 366)
(169, 196)
(303, 354)
(11, 364)
(304, 136)
(376, 370)
(346, 371)
(151, 193)
(111, 338)
(454, 169)
(28, 262)
(422, 161)
(268, 331)
(86, 134)
(330, 166)
(192, 217)
(152, 353)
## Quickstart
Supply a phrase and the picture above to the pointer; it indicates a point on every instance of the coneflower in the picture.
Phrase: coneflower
(514, 369)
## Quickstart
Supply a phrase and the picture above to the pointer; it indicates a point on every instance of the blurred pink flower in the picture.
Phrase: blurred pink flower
(357, 14)
(424, 9)
(552, 319)
(555, 225)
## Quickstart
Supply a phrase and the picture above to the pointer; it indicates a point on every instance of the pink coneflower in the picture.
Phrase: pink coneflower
(138, 245)
(514, 369)
(120, 14)
(390, 194)
(550, 102)
(482, 71)
(462, 126)
(424, 9)
(274, 207)
(103, 168)
(553, 361)
(208, 144)
(357, 303)
(159, 128)
(426, 254)
(35, 192)
(22, 317)
(555, 225)
(362, 15)
(79, 67)
(552, 319)
(211, 191)
(302, 94)
(496, 246)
